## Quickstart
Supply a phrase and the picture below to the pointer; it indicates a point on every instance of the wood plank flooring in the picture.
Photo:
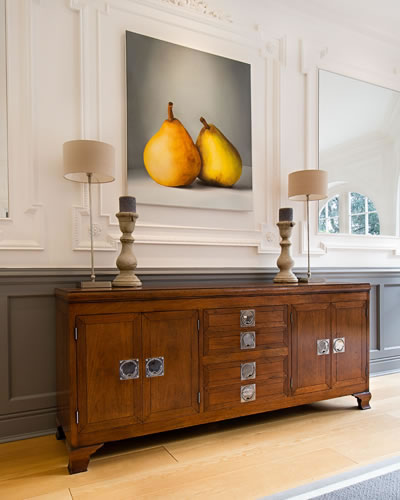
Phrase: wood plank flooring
(244, 458)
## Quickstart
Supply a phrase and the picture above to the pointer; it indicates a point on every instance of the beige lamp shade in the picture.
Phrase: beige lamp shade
(85, 157)
(311, 183)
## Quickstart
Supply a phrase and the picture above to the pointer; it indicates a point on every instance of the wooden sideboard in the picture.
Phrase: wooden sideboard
(138, 361)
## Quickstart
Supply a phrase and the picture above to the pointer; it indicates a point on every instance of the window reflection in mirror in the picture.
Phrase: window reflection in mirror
(351, 213)
(3, 116)
(359, 146)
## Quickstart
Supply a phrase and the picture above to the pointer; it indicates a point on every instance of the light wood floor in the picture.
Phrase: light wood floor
(241, 459)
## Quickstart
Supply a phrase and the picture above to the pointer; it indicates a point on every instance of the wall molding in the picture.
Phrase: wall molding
(201, 7)
(267, 54)
(24, 229)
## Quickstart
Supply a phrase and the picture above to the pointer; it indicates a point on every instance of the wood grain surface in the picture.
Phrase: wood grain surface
(244, 458)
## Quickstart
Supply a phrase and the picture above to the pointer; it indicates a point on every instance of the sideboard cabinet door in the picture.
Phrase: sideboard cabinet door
(170, 356)
(311, 371)
(349, 334)
(108, 398)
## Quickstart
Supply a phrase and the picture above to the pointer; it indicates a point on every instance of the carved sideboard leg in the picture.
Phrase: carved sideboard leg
(363, 400)
(79, 457)
(60, 433)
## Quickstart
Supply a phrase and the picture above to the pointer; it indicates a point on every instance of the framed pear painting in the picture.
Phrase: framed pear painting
(188, 126)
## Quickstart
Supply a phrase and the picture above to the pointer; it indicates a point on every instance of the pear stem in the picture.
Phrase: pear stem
(170, 113)
(203, 121)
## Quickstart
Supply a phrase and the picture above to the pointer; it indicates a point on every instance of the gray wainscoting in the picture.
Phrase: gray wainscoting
(27, 332)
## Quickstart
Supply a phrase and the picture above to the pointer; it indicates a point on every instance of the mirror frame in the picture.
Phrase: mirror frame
(314, 58)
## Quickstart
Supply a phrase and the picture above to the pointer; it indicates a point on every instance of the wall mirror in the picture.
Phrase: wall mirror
(3, 116)
(359, 146)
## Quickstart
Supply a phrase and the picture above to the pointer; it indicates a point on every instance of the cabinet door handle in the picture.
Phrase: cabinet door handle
(248, 370)
(339, 345)
(155, 367)
(248, 317)
(128, 369)
(323, 347)
(248, 393)
(247, 340)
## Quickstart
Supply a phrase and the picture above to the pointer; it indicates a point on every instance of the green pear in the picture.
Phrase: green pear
(221, 162)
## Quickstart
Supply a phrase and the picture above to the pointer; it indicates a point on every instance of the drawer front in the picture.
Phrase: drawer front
(237, 383)
(233, 340)
(240, 371)
(246, 394)
(246, 317)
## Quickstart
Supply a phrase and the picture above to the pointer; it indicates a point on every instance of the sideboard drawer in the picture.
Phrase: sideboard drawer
(245, 393)
(246, 317)
(247, 369)
(234, 340)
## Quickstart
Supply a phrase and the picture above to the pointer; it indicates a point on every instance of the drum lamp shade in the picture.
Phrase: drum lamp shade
(83, 157)
(311, 183)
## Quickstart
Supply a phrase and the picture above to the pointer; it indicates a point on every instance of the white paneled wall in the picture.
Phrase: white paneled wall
(66, 80)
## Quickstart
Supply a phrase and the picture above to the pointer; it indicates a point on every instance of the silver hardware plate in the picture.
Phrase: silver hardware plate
(248, 370)
(155, 367)
(248, 393)
(322, 347)
(248, 317)
(247, 340)
(339, 345)
(128, 369)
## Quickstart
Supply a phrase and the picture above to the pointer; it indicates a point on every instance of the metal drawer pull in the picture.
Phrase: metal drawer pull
(339, 345)
(248, 317)
(248, 370)
(248, 393)
(128, 369)
(247, 340)
(322, 347)
(155, 367)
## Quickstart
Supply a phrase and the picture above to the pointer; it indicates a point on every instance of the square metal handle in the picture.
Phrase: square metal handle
(339, 345)
(247, 340)
(323, 347)
(155, 367)
(248, 393)
(128, 369)
(247, 317)
(248, 370)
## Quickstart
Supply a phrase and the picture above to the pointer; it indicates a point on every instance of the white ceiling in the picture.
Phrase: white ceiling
(379, 18)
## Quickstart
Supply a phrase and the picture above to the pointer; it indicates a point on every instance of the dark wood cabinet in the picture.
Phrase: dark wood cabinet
(135, 362)
(311, 370)
(173, 338)
(104, 401)
(349, 358)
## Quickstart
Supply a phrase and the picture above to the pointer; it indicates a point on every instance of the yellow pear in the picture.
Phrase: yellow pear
(170, 156)
(221, 162)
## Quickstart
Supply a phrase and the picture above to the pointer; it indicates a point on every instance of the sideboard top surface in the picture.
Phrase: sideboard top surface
(204, 289)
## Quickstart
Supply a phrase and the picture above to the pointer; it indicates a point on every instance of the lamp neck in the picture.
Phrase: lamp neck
(308, 237)
(92, 276)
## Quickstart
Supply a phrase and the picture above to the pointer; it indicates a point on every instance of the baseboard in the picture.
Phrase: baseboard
(384, 366)
(27, 425)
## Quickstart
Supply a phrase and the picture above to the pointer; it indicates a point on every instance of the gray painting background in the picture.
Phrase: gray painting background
(198, 83)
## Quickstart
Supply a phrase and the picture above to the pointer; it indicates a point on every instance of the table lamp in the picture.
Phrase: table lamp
(92, 162)
(308, 185)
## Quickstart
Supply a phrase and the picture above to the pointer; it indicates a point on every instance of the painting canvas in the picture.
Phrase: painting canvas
(188, 126)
